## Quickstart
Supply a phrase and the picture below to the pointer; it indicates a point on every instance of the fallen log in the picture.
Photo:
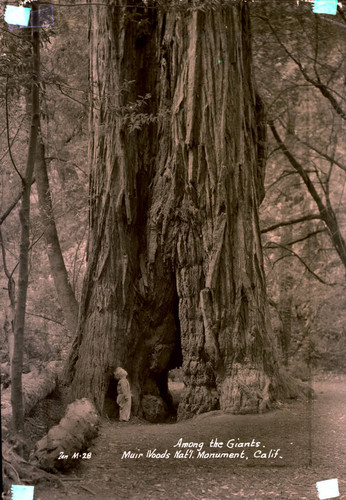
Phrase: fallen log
(65, 443)
(36, 386)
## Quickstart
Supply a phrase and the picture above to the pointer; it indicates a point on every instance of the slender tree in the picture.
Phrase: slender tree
(175, 270)
(66, 296)
(24, 216)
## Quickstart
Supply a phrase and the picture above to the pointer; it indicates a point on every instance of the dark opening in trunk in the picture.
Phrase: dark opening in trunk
(111, 408)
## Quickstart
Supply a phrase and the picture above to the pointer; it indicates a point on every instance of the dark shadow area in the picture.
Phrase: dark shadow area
(110, 408)
(173, 385)
(46, 414)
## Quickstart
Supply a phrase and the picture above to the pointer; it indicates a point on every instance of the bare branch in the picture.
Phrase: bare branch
(33, 243)
(8, 133)
(307, 236)
(291, 221)
(9, 209)
(293, 253)
(45, 317)
(299, 168)
(50, 158)
(321, 153)
(317, 83)
(69, 96)
(13, 138)
(326, 211)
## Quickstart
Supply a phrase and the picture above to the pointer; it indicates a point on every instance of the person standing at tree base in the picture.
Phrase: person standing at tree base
(124, 394)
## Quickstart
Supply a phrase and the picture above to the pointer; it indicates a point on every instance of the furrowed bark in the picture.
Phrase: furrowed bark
(175, 271)
(211, 184)
(116, 303)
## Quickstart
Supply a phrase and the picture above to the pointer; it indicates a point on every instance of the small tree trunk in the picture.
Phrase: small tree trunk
(66, 297)
(24, 215)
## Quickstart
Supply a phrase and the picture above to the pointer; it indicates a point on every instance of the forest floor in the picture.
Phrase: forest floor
(310, 439)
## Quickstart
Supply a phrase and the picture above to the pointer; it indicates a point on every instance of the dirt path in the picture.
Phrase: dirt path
(308, 445)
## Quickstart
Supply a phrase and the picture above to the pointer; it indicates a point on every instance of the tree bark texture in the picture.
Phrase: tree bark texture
(66, 297)
(175, 269)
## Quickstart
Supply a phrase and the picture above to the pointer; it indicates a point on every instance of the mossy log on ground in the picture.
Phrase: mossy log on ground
(36, 386)
(64, 444)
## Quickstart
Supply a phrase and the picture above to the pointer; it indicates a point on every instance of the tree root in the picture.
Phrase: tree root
(292, 388)
(16, 470)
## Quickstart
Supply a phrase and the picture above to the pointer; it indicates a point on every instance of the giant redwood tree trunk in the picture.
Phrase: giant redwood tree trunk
(175, 271)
